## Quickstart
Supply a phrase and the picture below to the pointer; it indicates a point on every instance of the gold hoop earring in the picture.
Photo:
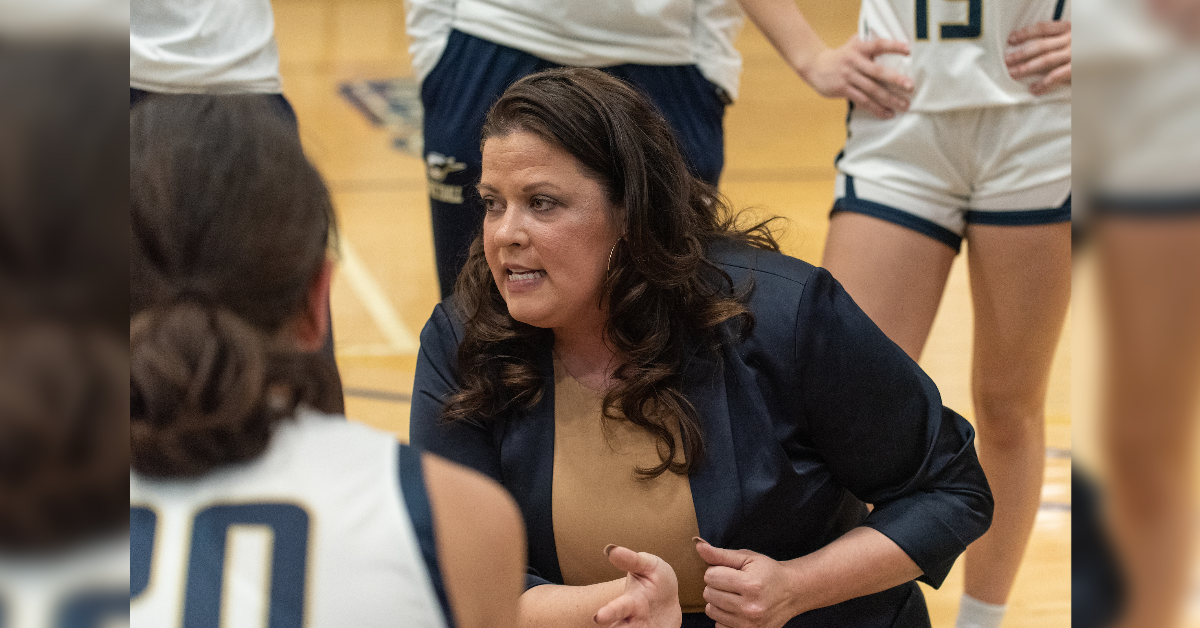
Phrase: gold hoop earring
(610, 254)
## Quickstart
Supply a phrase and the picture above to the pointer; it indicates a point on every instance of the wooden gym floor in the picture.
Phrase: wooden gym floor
(781, 139)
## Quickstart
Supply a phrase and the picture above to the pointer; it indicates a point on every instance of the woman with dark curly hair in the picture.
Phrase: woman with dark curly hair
(639, 371)
(231, 429)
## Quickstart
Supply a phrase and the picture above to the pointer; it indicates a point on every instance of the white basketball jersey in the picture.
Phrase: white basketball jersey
(958, 47)
(314, 533)
(203, 46)
(86, 586)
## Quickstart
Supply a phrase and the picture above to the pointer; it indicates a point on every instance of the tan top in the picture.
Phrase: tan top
(598, 499)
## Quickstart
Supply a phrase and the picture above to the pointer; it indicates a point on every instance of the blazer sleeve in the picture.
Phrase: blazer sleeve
(469, 444)
(464, 442)
(879, 424)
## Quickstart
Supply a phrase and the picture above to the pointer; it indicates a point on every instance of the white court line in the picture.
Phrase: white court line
(400, 339)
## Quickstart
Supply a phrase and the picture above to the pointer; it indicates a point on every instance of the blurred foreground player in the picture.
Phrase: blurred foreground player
(63, 415)
(246, 498)
(1140, 115)
(982, 154)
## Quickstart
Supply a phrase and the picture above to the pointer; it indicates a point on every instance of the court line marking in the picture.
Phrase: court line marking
(380, 395)
(373, 297)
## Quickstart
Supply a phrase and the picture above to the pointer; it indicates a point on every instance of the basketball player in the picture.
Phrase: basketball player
(1142, 60)
(208, 47)
(247, 500)
(966, 134)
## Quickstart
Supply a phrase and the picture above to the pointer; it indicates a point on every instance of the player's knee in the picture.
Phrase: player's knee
(1007, 419)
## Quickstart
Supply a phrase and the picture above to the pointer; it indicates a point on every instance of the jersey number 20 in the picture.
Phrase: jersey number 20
(206, 560)
(970, 30)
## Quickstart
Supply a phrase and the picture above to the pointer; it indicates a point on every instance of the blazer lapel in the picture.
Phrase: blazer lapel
(527, 461)
(716, 486)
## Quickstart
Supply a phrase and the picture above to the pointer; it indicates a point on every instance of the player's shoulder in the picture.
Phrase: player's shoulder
(481, 542)
(472, 495)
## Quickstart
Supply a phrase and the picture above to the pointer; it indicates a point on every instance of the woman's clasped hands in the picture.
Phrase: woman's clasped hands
(745, 589)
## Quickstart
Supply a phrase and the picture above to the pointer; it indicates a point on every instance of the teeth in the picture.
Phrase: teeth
(524, 276)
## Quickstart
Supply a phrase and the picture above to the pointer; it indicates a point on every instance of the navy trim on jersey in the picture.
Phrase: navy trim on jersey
(1058, 9)
(851, 203)
(142, 526)
(1148, 206)
(90, 609)
(412, 485)
(1022, 217)
(849, 112)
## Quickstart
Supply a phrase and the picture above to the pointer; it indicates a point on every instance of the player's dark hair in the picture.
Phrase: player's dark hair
(64, 423)
(664, 294)
(229, 227)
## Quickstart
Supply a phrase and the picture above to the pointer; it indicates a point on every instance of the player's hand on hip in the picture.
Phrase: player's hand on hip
(746, 589)
(851, 72)
(1181, 16)
(651, 596)
(1042, 49)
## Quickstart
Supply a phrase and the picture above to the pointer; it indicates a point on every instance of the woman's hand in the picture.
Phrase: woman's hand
(850, 72)
(651, 596)
(1041, 49)
(745, 589)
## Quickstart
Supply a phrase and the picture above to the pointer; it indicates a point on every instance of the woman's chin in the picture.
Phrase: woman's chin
(528, 313)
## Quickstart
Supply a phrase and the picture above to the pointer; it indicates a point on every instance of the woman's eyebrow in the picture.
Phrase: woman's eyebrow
(537, 185)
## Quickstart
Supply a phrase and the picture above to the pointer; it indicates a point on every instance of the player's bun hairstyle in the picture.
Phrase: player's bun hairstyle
(64, 423)
(665, 296)
(229, 226)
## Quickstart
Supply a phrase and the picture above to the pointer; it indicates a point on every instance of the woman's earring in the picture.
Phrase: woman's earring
(610, 254)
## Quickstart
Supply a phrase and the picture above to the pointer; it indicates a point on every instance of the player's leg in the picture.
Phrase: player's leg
(470, 75)
(1020, 286)
(895, 274)
(1019, 259)
(1151, 298)
(897, 221)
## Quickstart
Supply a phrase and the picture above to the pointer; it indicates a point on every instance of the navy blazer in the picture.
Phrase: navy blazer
(810, 417)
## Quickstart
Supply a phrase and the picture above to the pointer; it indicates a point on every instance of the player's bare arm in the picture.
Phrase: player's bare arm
(848, 71)
(481, 544)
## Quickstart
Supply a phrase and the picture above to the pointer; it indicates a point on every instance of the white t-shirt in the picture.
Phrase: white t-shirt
(958, 48)
(588, 33)
(317, 523)
(88, 584)
(63, 18)
(203, 46)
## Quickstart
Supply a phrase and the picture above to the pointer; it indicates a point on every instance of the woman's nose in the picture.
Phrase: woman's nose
(510, 230)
